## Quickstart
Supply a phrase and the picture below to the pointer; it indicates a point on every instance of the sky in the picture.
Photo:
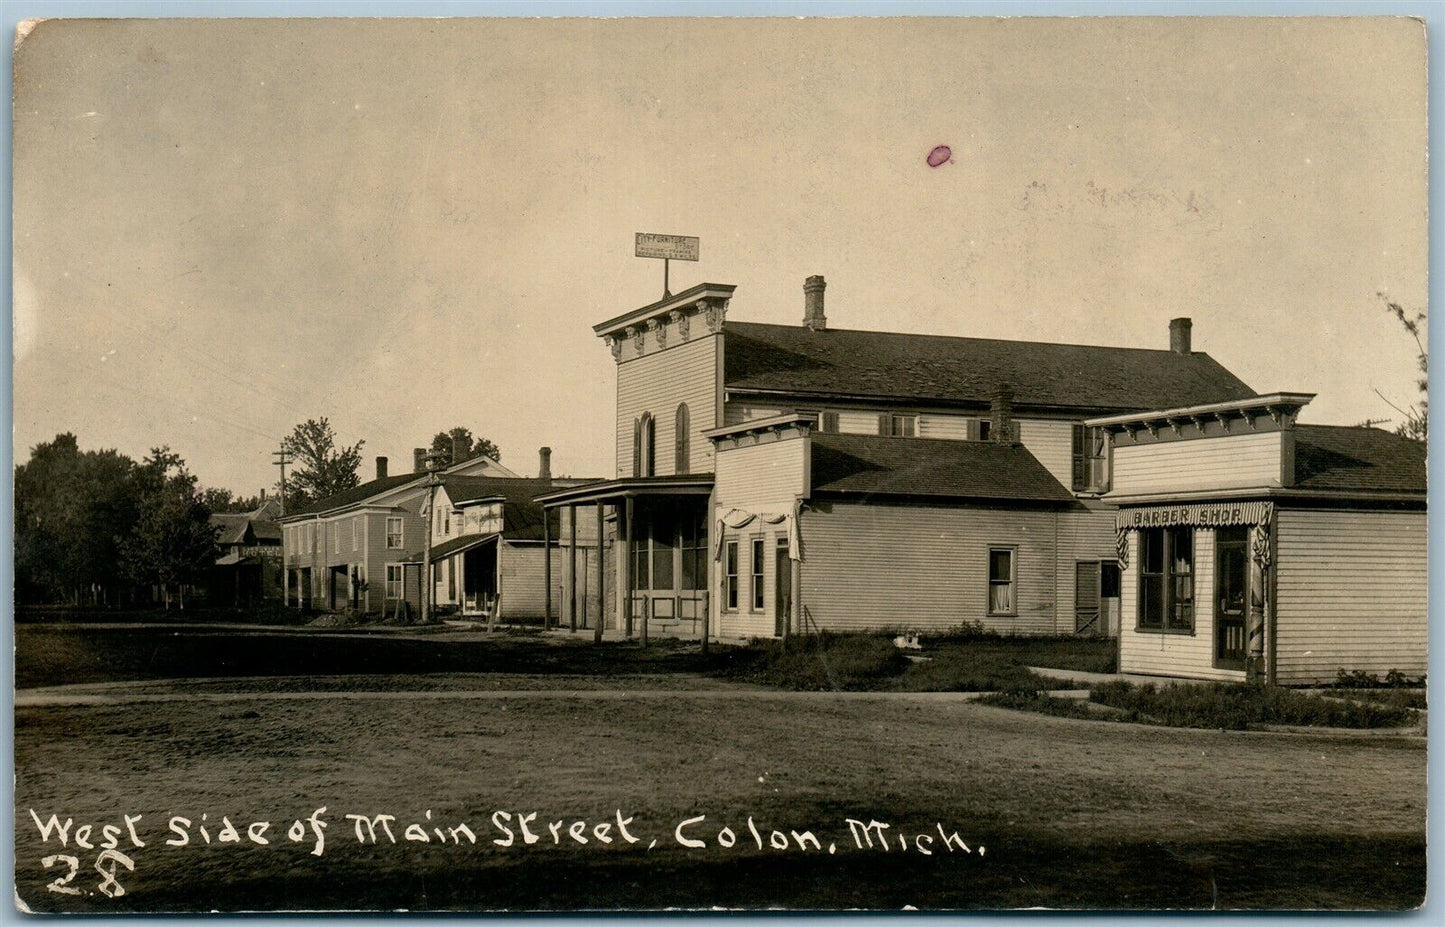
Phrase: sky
(223, 228)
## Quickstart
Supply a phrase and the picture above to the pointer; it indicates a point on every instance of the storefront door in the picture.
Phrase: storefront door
(1231, 596)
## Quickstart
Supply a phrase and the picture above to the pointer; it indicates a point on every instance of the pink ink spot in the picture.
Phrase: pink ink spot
(940, 155)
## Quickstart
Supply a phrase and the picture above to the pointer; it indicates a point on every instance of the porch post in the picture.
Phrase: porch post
(547, 568)
(572, 567)
(624, 561)
(794, 623)
(601, 588)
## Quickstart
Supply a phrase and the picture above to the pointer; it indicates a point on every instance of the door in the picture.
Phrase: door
(1231, 596)
(1108, 598)
(1086, 597)
(782, 587)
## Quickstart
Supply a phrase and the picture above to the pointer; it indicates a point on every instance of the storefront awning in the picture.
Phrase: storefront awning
(460, 545)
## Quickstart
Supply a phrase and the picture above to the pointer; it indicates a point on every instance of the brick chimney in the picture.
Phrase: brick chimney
(1001, 415)
(544, 464)
(418, 460)
(813, 316)
(381, 468)
(1179, 335)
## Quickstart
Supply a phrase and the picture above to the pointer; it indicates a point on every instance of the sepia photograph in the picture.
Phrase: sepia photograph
(817, 464)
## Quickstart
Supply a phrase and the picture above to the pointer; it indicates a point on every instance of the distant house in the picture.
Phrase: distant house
(489, 547)
(361, 549)
(781, 478)
(1253, 546)
(249, 571)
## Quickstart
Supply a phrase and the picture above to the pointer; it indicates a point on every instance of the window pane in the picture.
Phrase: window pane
(1152, 558)
(1151, 602)
(1000, 566)
(1000, 597)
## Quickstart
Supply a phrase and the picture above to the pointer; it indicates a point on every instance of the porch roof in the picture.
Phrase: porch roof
(466, 542)
(683, 484)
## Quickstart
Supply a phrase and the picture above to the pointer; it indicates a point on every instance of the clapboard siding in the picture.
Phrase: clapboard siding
(1217, 463)
(735, 413)
(763, 477)
(523, 588)
(946, 427)
(1084, 534)
(871, 566)
(658, 383)
(1351, 591)
(1052, 442)
(378, 555)
(1156, 654)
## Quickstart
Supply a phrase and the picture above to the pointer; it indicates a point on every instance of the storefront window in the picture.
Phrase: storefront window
(694, 554)
(1166, 579)
(664, 540)
(730, 591)
(1232, 566)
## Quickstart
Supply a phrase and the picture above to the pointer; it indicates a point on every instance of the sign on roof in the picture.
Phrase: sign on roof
(671, 247)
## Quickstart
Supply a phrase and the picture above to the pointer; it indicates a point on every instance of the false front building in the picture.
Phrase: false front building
(1255, 547)
(778, 478)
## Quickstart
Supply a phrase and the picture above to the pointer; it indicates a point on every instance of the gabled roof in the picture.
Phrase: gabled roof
(522, 517)
(356, 494)
(1342, 459)
(233, 526)
(793, 359)
(871, 465)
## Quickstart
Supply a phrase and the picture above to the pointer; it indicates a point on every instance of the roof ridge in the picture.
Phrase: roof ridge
(1059, 344)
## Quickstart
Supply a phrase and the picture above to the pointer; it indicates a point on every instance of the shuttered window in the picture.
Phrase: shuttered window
(1090, 459)
(828, 423)
(898, 425)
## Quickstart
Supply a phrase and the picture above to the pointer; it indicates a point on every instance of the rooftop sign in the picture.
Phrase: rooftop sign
(667, 247)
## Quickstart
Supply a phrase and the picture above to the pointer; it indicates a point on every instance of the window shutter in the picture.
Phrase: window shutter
(637, 447)
(682, 429)
(1080, 473)
(885, 425)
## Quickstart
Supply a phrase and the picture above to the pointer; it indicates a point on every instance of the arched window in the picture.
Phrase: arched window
(682, 426)
(648, 442)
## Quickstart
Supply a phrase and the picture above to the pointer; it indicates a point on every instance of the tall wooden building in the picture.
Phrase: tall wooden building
(777, 478)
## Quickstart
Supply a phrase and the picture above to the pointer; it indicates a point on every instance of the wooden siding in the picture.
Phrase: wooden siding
(944, 426)
(1352, 593)
(1245, 460)
(523, 586)
(858, 421)
(764, 477)
(657, 383)
(1158, 654)
(873, 566)
(1052, 442)
(1085, 534)
(737, 412)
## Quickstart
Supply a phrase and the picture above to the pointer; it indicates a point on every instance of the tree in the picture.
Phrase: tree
(457, 445)
(223, 500)
(322, 468)
(174, 543)
(1416, 424)
(71, 506)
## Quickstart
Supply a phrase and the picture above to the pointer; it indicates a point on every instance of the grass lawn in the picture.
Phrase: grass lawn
(866, 662)
(1071, 814)
(53, 654)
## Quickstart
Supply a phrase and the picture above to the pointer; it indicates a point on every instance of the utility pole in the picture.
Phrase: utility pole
(434, 462)
(283, 457)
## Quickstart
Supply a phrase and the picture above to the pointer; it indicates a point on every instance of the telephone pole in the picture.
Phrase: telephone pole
(283, 457)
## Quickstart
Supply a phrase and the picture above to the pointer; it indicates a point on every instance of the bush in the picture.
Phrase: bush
(1359, 679)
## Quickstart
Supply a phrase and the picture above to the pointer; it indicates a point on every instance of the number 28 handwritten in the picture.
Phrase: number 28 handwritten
(107, 863)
